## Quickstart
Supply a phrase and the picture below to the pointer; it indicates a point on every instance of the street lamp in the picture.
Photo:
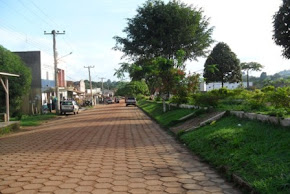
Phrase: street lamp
(57, 107)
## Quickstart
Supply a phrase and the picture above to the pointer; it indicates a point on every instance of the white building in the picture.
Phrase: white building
(218, 85)
(231, 86)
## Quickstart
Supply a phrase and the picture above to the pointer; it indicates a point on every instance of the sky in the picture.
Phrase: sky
(90, 25)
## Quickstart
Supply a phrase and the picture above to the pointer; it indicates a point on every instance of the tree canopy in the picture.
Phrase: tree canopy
(133, 88)
(160, 30)
(251, 66)
(222, 65)
(18, 86)
(281, 28)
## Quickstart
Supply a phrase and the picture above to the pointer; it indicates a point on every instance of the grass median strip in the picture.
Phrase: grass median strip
(167, 119)
(258, 153)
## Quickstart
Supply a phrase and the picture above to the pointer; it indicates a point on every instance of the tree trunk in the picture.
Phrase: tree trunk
(248, 85)
(164, 105)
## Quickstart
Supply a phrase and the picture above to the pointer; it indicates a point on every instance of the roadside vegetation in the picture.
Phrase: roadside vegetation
(34, 120)
(257, 152)
(269, 100)
(165, 119)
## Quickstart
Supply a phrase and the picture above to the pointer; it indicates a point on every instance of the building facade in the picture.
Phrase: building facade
(33, 101)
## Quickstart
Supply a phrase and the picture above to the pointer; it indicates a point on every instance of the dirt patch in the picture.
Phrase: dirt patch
(194, 122)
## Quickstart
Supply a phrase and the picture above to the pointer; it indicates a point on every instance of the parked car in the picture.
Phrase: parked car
(130, 101)
(69, 106)
(109, 101)
(117, 100)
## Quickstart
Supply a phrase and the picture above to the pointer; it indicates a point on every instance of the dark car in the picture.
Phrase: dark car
(109, 101)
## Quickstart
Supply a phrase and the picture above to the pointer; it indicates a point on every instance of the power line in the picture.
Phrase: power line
(28, 19)
(25, 39)
(47, 16)
(30, 10)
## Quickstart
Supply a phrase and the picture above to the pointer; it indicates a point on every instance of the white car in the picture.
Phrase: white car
(69, 106)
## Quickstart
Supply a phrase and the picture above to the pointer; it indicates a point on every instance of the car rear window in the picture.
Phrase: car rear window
(67, 103)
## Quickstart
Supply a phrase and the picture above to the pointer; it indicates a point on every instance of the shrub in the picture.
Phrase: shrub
(257, 100)
(206, 99)
(280, 97)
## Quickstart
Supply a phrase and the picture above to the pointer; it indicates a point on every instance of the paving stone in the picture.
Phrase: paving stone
(108, 149)
(48, 189)
(137, 185)
(212, 189)
(101, 191)
(68, 186)
(197, 192)
(27, 192)
(84, 188)
(103, 185)
(191, 186)
(168, 179)
(138, 191)
(175, 190)
(120, 188)
(32, 186)
(11, 190)
(63, 191)
(119, 183)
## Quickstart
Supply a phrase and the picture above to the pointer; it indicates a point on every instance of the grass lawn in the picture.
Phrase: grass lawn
(167, 119)
(35, 120)
(259, 153)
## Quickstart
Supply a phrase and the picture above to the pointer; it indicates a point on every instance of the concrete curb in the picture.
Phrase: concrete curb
(263, 118)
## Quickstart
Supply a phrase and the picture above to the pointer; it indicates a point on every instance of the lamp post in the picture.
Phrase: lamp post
(57, 107)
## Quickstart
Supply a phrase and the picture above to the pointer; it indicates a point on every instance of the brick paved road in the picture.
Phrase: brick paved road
(111, 149)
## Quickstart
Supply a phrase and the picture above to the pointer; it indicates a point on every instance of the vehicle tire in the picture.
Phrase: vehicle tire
(74, 113)
(126, 104)
(78, 112)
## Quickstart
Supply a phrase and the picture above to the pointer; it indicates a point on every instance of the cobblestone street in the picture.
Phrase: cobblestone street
(109, 149)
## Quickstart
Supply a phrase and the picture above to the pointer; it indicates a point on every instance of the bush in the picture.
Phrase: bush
(140, 97)
(280, 97)
(181, 98)
(257, 100)
(206, 99)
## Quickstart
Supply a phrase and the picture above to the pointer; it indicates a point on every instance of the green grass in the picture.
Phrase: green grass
(35, 120)
(259, 153)
(239, 105)
(9, 129)
(167, 119)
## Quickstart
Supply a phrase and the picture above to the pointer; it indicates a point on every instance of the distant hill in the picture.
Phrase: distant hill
(285, 73)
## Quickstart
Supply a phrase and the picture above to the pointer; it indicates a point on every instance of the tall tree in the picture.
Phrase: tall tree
(251, 66)
(281, 28)
(18, 87)
(222, 65)
(263, 75)
(160, 30)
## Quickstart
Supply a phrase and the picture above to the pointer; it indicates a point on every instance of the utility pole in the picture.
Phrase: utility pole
(89, 68)
(53, 33)
(102, 78)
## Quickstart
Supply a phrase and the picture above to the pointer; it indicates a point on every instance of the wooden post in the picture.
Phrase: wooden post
(7, 99)
(6, 88)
